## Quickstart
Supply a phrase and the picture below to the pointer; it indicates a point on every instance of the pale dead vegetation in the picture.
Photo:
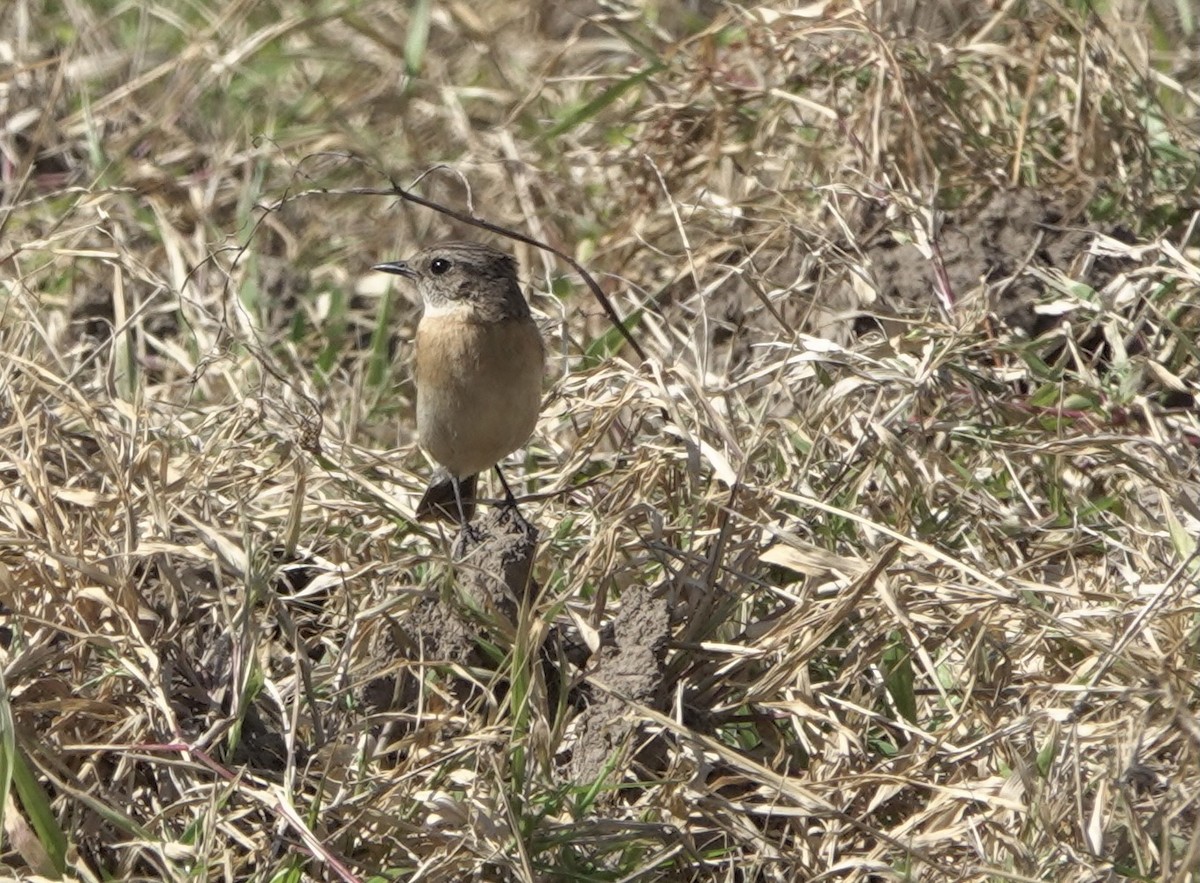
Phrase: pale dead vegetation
(929, 561)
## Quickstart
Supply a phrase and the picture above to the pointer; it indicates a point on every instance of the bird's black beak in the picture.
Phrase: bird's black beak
(398, 268)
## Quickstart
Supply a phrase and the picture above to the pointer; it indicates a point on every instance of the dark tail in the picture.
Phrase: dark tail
(439, 504)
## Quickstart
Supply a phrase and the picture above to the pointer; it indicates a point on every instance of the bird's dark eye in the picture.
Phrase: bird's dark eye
(438, 266)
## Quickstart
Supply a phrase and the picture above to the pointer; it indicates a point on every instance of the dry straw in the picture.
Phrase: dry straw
(880, 566)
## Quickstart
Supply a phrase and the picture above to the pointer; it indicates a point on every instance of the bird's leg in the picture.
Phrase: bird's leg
(511, 502)
(468, 534)
(462, 516)
(509, 499)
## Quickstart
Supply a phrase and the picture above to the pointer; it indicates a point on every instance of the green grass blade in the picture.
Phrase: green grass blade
(597, 104)
(417, 38)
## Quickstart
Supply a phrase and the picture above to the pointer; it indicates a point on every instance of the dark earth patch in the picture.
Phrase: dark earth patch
(493, 561)
(1000, 242)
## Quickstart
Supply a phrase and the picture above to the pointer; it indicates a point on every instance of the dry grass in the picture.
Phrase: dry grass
(932, 580)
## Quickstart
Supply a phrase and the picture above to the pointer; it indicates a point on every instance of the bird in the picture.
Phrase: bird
(478, 367)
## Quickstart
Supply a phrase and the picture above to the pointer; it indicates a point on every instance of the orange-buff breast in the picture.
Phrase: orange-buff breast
(479, 389)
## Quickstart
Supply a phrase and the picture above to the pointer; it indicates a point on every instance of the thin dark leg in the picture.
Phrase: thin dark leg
(509, 499)
(511, 502)
(462, 517)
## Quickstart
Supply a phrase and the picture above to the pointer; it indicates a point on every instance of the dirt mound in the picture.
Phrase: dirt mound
(627, 668)
(493, 561)
(1014, 233)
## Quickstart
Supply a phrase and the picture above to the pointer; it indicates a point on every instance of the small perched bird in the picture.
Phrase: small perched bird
(479, 366)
